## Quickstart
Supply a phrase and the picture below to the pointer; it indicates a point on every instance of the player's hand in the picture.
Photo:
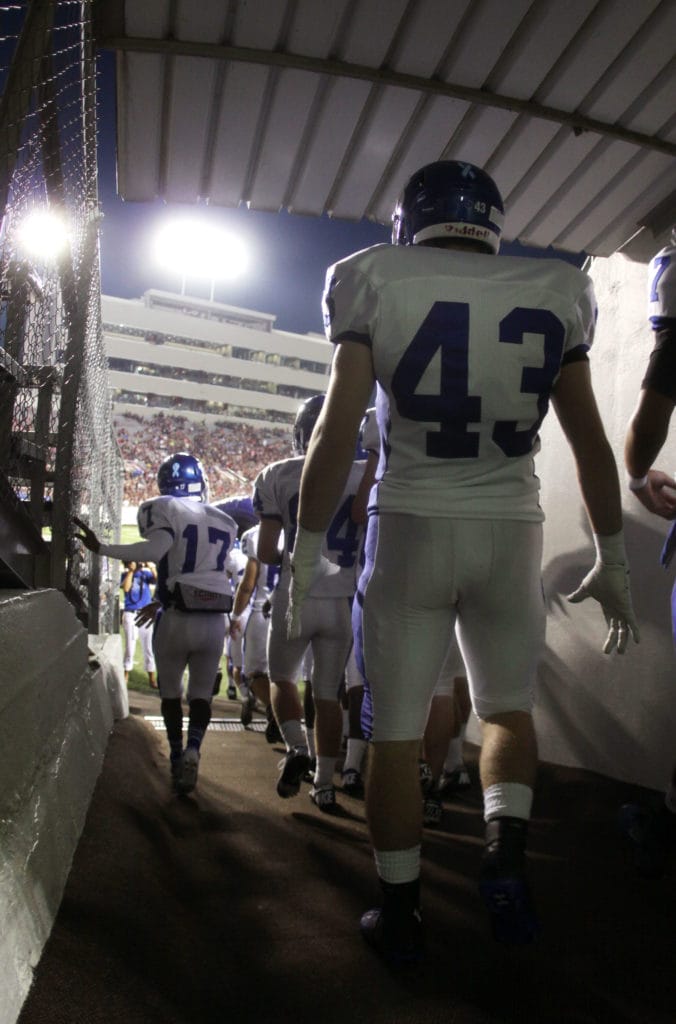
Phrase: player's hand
(146, 616)
(307, 564)
(659, 494)
(87, 536)
(235, 627)
(609, 585)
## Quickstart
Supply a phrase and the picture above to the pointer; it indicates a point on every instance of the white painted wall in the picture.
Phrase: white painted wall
(610, 714)
(57, 706)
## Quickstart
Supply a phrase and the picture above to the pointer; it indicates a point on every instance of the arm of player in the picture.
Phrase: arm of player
(268, 541)
(646, 434)
(243, 594)
(608, 581)
(327, 465)
(151, 550)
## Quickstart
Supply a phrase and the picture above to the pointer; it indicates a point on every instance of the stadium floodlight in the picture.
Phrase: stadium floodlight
(200, 251)
(41, 235)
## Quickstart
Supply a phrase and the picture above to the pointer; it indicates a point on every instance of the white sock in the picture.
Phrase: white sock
(397, 866)
(354, 758)
(508, 800)
(293, 734)
(326, 766)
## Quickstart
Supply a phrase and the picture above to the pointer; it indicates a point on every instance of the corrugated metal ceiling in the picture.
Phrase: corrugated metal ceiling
(327, 106)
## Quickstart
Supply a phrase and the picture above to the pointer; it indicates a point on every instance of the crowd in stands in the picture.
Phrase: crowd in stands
(232, 454)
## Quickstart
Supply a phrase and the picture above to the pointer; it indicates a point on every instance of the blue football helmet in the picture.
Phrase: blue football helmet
(449, 199)
(182, 476)
(306, 417)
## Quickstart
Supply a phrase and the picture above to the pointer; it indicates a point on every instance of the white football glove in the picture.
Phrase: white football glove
(307, 565)
(608, 583)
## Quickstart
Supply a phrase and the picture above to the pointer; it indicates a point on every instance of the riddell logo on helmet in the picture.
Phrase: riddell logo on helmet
(468, 230)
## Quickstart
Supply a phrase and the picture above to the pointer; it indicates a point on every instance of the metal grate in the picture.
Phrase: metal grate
(217, 724)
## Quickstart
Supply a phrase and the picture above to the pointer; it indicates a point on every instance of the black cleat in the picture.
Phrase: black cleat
(433, 811)
(324, 798)
(513, 918)
(294, 765)
(353, 783)
(190, 763)
(503, 884)
(399, 941)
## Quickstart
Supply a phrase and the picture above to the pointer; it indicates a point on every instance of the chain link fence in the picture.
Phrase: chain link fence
(58, 453)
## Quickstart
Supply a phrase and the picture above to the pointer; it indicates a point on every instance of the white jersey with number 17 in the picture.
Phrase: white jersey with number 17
(200, 554)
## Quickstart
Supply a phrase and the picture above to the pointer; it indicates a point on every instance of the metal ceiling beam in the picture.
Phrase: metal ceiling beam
(577, 123)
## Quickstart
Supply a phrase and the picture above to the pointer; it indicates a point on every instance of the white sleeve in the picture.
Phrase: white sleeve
(586, 312)
(350, 303)
(150, 550)
(265, 500)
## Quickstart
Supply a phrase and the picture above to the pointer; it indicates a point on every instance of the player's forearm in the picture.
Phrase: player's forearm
(242, 599)
(641, 448)
(150, 550)
(600, 488)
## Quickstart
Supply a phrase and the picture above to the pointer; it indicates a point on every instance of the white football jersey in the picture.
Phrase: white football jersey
(268, 575)
(276, 496)
(466, 349)
(662, 286)
(201, 553)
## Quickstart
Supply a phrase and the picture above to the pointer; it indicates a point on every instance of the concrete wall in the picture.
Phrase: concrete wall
(58, 701)
(610, 714)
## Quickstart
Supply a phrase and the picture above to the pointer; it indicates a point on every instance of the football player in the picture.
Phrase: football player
(241, 510)
(467, 348)
(352, 774)
(325, 623)
(653, 829)
(190, 542)
(254, 594)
